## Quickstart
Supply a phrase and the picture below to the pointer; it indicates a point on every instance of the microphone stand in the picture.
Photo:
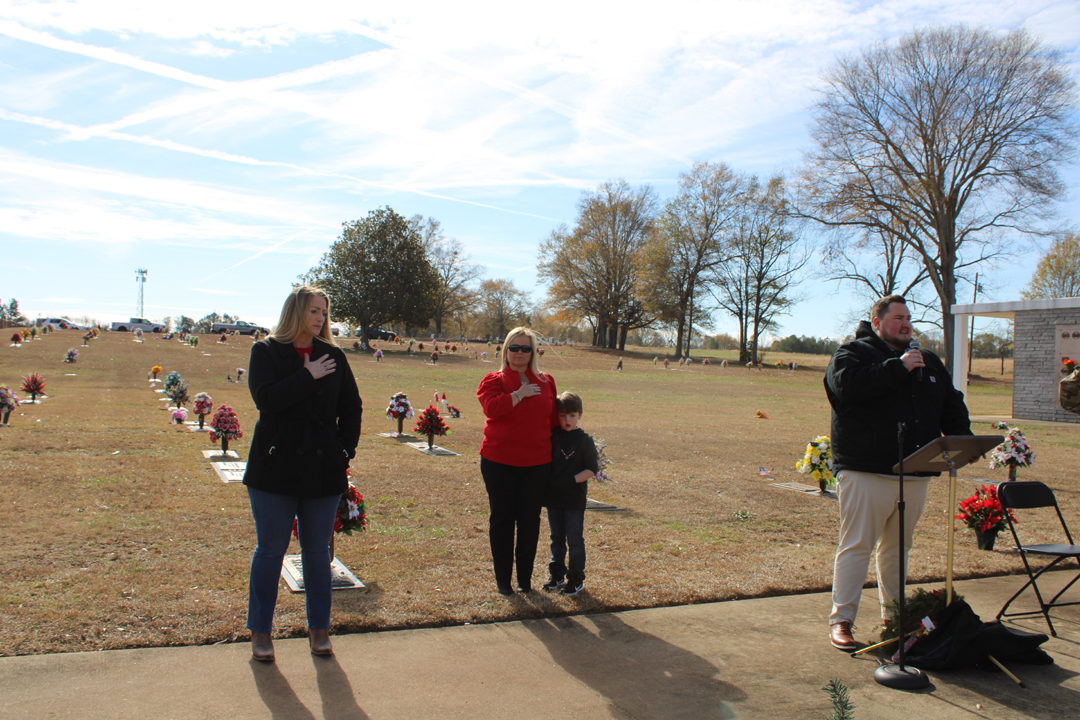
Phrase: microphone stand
(896, 675)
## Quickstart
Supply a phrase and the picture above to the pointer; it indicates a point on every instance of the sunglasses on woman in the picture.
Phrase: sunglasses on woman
(520, 348)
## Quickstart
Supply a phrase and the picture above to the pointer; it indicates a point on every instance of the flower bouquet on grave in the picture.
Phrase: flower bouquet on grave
(25, 334)
(351, 515)
(226, 426)
(1014, 452)
(72, 355)
(378, 355)
(8, 402)
(87, 338)
(239, 374)
(35, 385)
(352, 512)
(454, 412)
(16, 339)
(430, 423)
(138, 335)
(178, 415)
(817, 462)
(170, 380)
(178, 393)
(602, 461)
(154, 373)
(203, 405)
(399, 409)
(982, 512)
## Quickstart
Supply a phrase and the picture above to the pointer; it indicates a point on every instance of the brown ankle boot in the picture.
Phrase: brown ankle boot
(319, 640)
(262, 646)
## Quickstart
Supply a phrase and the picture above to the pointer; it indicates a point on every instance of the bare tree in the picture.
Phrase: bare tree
(878, 264)
(455, 295)
(595, 269)
(1058, 272)
(501, 306)
(755, 284)
(690, 242)
(945, 140)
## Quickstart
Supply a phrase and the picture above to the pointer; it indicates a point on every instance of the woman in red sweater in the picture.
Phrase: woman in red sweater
(515, 455)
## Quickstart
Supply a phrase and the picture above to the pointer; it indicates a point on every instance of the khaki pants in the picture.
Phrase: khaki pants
(868, 518)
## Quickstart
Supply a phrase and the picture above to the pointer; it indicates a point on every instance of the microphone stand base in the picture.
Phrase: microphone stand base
(901, 678)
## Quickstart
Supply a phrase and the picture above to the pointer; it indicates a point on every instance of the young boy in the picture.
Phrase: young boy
(573, 462)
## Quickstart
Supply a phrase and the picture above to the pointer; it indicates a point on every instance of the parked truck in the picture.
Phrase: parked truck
(239, 326)
(138, 324)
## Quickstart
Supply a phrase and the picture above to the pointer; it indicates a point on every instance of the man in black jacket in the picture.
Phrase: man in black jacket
(874, 383)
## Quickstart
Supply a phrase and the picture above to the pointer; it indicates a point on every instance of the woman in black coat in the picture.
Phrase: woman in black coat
(308, 427)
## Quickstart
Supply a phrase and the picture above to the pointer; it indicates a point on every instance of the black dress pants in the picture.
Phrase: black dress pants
(515, 496)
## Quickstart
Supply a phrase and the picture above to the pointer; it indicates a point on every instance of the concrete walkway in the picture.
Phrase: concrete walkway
(764, 658)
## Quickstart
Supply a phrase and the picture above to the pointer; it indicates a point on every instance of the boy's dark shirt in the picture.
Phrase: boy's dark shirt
(571, 452)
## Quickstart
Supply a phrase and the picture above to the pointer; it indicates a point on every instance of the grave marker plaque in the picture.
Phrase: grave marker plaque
(341, 578)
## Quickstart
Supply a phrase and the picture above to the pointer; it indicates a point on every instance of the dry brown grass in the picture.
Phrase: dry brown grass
(118, 533)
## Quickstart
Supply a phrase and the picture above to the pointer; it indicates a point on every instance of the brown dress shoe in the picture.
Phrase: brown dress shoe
(840, 635)
(319, 640)
(262, 647)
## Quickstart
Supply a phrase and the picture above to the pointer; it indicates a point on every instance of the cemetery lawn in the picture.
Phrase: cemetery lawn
(118, 534)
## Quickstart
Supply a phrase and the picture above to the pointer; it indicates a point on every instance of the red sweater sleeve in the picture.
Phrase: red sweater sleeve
(517, 435)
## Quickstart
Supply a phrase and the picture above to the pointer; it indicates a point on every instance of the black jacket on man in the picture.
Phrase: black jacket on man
(871, 392)
(307, 429)
(571, 452)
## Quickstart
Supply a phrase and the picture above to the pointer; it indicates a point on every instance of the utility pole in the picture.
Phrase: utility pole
(140, 277)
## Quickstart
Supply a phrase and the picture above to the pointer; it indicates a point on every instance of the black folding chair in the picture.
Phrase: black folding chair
(1025, 496)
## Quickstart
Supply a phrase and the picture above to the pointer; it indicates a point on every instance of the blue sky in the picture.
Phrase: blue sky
(220, 145)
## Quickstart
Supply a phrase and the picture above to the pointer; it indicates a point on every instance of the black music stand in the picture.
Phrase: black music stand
(949, 453)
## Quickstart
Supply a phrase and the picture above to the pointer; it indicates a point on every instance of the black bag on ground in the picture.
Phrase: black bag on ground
(961, 640)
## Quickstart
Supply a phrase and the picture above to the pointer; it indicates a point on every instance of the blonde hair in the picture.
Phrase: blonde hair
(533, 356)
(292, 313)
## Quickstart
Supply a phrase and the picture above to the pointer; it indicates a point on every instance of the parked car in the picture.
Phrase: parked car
(377, 334)
(238, 327)
(59, 324)
(138, 324)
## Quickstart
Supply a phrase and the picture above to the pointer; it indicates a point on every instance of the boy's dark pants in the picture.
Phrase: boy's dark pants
(567, 529)
(515, 496)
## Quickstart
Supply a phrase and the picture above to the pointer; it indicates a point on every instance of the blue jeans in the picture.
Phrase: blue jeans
(274, 516)
(567, 529)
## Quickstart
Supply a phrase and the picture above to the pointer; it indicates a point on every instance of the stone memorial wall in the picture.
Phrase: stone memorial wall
(1042, 339)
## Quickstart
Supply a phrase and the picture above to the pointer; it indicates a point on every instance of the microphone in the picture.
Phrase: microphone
(914, 345)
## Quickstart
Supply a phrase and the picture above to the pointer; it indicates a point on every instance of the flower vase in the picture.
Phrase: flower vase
(823, 485)
(430, 440)
(201, 418)
(7, 414)
(400, 422)
(986, 540)
(224, 445)
(1012, 473)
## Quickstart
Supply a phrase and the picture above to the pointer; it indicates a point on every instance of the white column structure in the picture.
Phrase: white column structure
(961, 323)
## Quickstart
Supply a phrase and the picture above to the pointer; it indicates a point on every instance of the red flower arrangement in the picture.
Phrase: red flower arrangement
(351, 512)
(431, 423)
(33, 384)
(983, 512)
(226, 426)
(203, 405)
